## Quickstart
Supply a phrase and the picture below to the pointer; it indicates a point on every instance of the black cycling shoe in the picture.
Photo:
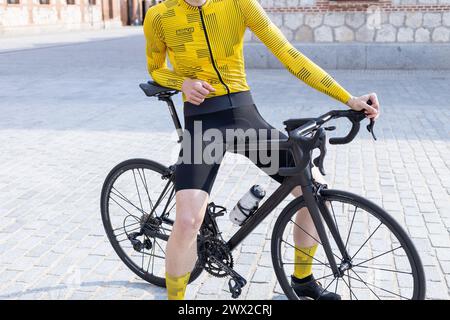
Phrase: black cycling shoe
(310, 288)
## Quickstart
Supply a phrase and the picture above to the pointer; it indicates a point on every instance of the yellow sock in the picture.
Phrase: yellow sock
(176, 286)
(303, 261)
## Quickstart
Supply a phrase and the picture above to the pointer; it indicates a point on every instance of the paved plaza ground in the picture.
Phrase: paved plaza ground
(72, 111)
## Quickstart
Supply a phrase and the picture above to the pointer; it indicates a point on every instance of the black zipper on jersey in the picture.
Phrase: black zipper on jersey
(211, 54)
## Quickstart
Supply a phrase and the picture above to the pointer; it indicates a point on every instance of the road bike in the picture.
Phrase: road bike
(363, 252)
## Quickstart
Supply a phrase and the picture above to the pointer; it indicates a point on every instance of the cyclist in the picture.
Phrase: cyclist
(204, 41)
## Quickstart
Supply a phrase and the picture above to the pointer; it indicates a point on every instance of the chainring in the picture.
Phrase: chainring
(213, 247)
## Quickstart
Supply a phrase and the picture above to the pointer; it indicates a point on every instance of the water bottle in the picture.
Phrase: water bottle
(247, 205)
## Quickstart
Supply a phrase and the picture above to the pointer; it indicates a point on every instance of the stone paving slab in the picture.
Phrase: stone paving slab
(71, 113)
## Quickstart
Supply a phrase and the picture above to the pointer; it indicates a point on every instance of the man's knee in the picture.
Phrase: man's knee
(191, 206)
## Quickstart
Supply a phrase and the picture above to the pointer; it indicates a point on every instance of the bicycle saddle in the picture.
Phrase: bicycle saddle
(151, 89)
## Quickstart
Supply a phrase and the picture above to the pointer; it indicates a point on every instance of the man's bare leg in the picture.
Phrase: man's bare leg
(305, 238)
(181, 250)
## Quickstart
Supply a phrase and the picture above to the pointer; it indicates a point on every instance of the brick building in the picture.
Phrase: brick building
(401, 21)
(25, 16)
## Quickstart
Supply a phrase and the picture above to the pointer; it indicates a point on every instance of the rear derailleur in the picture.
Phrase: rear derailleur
(148, 229)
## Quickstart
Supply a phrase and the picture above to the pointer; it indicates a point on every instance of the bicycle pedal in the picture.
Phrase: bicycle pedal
(235, 286)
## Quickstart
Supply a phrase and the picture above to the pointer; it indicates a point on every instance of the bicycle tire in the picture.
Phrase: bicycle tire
(113, 175)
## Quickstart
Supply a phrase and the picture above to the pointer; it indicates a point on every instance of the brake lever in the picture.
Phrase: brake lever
(371, 124)
(318, 161)
(370, 129)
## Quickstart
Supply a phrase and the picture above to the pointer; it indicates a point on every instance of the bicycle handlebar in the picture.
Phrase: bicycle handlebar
(355, 118)
(301, 145)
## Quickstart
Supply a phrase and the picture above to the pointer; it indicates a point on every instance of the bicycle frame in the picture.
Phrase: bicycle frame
(283, 191)
(315, 205)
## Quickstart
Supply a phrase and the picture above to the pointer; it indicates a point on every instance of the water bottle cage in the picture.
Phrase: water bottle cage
(246, 212)
(215, 210)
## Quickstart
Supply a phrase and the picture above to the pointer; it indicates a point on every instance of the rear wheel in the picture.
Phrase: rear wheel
(138, 211)
(384, 262)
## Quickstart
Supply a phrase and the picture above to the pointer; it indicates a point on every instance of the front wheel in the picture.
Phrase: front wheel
(384, 262)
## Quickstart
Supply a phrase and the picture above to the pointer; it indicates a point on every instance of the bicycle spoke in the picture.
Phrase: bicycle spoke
(126, 232)
(324, 277)
(142, 259)
(351, 226)
(301, 264)
(159, 246)
(367, 240)
(325, 289)
(377, 256)
(153, 255)
(350, 289)
(122, 197)
(361, 280)
(383, 269)
(349, 282)
(318, 241)
(144, 182)
(148, 265)
(123, 227)
(367, 285)
(334, 216)
(337, 283)
(129, 213)
(153, 261)
(137, 189)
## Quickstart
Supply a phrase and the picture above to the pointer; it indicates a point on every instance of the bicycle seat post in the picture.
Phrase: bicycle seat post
(153, 89)
(167, 97)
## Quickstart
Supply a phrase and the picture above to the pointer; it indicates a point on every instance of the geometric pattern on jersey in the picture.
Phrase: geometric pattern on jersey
(174, 32)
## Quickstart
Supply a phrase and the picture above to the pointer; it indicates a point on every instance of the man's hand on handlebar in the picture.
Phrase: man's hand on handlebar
(196, 90)
(371, 109)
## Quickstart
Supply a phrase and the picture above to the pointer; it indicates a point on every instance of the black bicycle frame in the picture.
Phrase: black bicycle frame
(314, 203)
(283, 191)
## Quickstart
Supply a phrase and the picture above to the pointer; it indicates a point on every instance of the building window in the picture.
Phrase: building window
(70, 2)
(13, 2)
(44, 1)
(92, 2)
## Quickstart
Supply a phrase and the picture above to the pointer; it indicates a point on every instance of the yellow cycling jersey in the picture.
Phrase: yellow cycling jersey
(206, 43)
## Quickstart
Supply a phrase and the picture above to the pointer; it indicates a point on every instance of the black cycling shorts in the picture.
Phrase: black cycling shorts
(202, 148)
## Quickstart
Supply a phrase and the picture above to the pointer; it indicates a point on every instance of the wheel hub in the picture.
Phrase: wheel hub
(344, 266)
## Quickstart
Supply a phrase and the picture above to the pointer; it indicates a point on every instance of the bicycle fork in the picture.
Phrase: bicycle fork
(317, 210)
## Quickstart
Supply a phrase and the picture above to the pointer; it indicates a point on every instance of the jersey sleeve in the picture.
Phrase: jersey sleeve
(156, 53)
(298, 64)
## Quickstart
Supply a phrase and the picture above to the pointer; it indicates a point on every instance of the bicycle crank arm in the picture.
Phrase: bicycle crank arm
(236, 283)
